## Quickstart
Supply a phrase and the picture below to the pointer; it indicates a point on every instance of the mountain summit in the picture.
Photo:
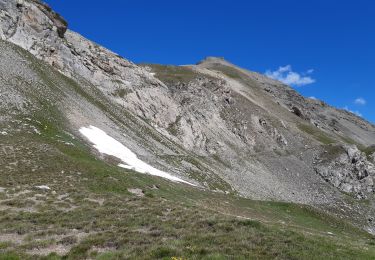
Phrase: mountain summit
(90, 140)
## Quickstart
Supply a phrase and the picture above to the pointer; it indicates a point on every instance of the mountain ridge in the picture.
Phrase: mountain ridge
(147, 96)
(225, 129)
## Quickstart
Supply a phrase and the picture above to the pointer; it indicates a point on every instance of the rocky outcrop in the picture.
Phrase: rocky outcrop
(58, 21)
(32, 25)
(295, 110)
(34, 14)
(348, 170)
(273, 133)
(372, 157)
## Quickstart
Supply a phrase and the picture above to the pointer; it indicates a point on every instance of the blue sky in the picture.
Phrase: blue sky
(324, 48)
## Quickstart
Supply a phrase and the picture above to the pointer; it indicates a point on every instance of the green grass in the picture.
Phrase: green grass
(173, 74)
(348, 140)
(369, 150)
(316, 133)
(174, 127)
(173, 221)
(202, 173)
(333, 151)
(120, 92)
(230, 72)
(236, 74)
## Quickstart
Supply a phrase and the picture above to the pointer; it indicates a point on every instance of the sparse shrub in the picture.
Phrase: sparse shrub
(69, 240)
(161, 252)
(316, 133)
(249, 223)
(120, 92)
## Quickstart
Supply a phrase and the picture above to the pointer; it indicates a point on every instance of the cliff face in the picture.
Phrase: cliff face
(27, 20)
(214, 124)
(33, 26)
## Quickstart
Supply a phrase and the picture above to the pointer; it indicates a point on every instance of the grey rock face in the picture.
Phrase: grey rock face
(31, 25)
(350, 172)
(372, 157)
(58, 21)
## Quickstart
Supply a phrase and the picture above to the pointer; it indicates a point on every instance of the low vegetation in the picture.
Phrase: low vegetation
(369, 150)
(172, 74)
(316, 133)
(92, 211)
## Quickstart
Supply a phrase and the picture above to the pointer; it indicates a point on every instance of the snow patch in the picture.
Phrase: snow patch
(110, 146)
(4, 133)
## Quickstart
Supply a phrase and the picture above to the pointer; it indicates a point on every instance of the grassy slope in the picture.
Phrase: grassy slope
(89, 211)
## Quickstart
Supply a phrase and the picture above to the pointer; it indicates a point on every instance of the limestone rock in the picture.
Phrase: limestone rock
(350, 172)
(372, 157)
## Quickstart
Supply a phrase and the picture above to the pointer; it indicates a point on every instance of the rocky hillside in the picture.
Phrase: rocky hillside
(230, 133)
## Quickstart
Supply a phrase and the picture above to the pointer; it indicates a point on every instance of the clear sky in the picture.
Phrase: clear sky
(324, 48)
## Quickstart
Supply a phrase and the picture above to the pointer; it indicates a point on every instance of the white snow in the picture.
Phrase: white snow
(3, 133)
(43, 187)
(110, 146)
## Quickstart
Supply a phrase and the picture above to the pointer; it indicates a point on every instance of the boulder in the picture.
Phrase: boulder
(297, 112)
